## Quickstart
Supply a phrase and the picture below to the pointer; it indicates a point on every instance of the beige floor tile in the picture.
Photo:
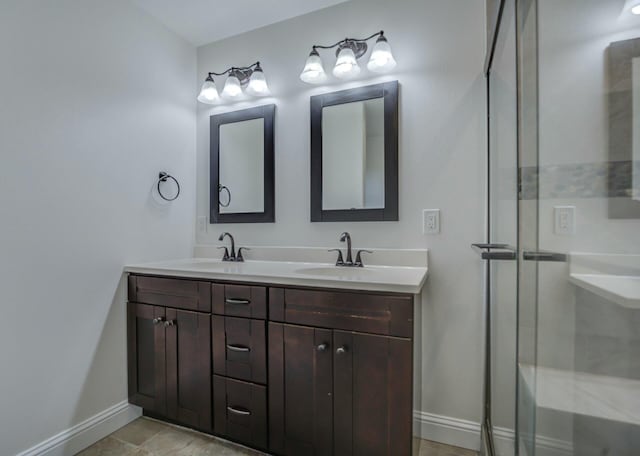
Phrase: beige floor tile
(168, 442)
(428, 448)
(139, 431)
(110, 446)
(145, 437)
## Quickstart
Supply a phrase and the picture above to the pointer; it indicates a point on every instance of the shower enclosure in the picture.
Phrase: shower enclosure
(563, 240)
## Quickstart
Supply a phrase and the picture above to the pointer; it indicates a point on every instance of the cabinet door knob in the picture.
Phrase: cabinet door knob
(158, 320)
(341, 350)
(322, 347)
(169, 323)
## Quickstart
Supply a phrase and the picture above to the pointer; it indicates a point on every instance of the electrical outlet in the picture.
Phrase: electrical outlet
(431, 221)
(202, 224)
(564, 219)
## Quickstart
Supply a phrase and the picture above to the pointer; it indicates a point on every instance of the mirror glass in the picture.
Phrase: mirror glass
(242, 166)
(241, 172)
(353, 155)
(623, 169)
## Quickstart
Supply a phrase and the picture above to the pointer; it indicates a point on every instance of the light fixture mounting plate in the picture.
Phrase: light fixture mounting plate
(359, 48)
(243, 75)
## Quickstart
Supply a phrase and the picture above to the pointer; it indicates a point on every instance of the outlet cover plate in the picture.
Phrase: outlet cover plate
(202, 224)
(564, 219)
(431, 221)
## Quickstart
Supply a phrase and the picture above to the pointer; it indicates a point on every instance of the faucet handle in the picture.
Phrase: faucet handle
(340, 261)
(239, 255)
(358, 262)
(226, 254)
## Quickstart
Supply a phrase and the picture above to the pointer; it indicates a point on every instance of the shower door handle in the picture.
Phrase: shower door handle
(495, 251)
(543, 255)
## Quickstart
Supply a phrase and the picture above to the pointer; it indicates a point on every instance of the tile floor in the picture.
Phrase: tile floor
(146, 437)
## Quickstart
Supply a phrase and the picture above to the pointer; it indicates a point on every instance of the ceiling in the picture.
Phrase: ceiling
(204, 21)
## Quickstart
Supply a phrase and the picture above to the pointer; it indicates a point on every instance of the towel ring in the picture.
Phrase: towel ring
(163, 177)
(224, 187)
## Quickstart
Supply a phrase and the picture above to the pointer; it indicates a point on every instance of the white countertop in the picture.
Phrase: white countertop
(399, 279)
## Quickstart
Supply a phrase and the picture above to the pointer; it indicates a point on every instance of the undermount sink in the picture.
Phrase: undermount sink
(338, 271)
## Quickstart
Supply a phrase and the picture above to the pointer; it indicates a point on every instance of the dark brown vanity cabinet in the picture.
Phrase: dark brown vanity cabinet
(294, 371)
(169, 355)
(340, 391)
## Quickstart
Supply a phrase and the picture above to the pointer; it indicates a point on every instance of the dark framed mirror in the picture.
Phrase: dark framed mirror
(354, 155)
(624, 129)
(242, 164)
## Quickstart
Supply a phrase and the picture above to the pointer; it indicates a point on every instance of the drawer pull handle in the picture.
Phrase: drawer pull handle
(322, 347)
(158, 320)
(238, 348)
(235, 301)
(239, 411)
(169, 323)
(341, 350)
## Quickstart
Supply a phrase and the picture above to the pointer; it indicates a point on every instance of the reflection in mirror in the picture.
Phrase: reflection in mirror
(353, 155)
(242, 167)
(624, 129)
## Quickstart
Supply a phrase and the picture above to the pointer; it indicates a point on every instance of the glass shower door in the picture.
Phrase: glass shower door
(578, 361)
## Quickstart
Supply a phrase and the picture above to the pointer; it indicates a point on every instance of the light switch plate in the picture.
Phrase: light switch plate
(202, 224)
(431, 221)
(564, 219)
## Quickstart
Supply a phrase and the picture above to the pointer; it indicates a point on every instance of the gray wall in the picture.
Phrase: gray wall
(442, 163)
(96, 98)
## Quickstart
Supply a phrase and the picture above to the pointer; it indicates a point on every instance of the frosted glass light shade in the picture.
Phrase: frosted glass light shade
(208, 92)
(346, 65)
(232, 87)
(258, 84)
(313, 72)
(632, 6)
(381, 59)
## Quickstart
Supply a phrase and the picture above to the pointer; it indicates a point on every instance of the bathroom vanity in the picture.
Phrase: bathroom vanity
(287, 358)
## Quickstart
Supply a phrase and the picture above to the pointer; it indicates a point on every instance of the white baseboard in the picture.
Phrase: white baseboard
(82, 435)
(445, 429)
(504, 439)
(466, 434)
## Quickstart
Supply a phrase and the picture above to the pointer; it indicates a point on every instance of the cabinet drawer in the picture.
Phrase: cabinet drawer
(177, 293)
(369, 313)
(240, 411)
(240, 301)
(239, 348)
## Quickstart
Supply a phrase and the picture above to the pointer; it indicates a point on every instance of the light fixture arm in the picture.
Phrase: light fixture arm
(242, 73)
(232, 70)
(358, 45)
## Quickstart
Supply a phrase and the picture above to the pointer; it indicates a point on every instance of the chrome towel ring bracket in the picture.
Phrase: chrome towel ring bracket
(163, 177)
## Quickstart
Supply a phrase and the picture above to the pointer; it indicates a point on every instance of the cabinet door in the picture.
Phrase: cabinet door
(300, 390)
(146, 357)
(373, 395)
(188, 336)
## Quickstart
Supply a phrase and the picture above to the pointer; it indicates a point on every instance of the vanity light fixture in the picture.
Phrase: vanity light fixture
(633, 6)
(250, 79)
(348, 52)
